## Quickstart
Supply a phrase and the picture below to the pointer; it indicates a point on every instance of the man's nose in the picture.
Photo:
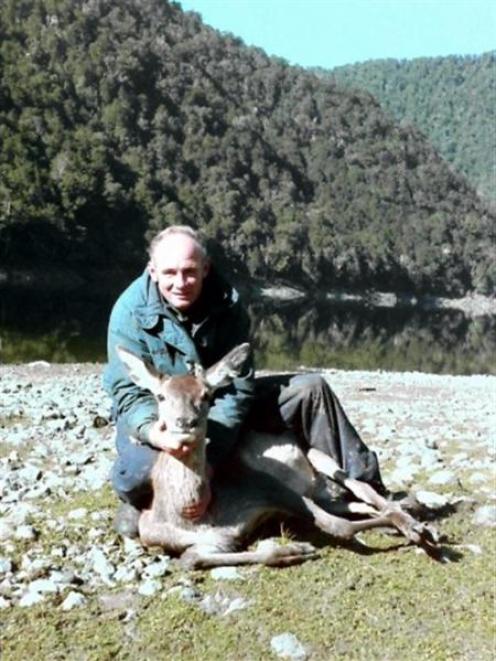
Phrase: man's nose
(180, 279)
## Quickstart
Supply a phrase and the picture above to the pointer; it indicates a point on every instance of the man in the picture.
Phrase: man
(180, 311)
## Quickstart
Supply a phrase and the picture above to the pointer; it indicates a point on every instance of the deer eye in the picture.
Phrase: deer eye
(160, 398)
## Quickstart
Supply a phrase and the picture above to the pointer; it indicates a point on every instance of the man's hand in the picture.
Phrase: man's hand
(157, 437)
(197, 510)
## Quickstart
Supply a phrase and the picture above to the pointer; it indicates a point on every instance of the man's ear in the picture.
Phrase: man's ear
(206, 267)
(152, 271)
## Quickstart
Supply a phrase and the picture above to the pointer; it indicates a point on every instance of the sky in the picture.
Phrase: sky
(329, 33)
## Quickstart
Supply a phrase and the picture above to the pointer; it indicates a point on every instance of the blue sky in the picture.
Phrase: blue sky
(330, 33)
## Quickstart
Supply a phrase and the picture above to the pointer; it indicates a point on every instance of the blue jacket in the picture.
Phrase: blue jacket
(144, 323)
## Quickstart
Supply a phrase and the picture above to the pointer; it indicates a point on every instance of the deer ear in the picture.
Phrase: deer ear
(228, 368)
(142, 373)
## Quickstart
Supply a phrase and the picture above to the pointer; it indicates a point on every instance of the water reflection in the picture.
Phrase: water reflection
(66, 328)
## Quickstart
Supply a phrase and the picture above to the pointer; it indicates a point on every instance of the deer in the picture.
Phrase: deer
(270, 476)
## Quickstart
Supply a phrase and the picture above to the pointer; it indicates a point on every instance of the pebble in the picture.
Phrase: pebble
(149, 587)
(442, 477)
(25, 532)
(5, 565)
(431, 499)
(485, 516)
(226, 574)
(287, 646)
(157, 569)
(79, 513)
(73, 600)
(30, 599)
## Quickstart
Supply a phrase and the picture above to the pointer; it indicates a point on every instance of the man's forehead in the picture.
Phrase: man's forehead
(177, 248)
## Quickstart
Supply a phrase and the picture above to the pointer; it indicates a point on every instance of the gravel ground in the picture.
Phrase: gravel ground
(435, 435)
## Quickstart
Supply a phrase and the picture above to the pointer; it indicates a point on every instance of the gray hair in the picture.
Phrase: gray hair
(185, 230)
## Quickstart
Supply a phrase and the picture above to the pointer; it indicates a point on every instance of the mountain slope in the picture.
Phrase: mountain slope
(117, 119)
(451, 99)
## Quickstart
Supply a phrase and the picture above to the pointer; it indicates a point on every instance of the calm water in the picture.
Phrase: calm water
(70, 328)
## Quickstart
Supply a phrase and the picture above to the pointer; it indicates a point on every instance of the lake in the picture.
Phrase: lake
(72, 327)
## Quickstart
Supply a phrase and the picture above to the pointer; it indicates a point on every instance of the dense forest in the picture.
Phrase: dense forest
(451, 99)
(117, 119)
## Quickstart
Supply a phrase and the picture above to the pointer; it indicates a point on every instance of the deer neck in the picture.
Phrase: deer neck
(178, 483)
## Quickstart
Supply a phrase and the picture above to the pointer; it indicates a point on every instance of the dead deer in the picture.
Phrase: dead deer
(271, 476)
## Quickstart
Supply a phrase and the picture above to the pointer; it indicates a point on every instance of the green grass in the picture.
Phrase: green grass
(392, 604)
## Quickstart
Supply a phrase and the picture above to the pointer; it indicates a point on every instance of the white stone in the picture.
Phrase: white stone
(5, 565)
(226, 574)
(149, 587)
(442, 477)
(30, 599)
(43, 585)
(6, 530)
(236, 604)
(78, 513)
(485, 516)
(125, 574)
(73, 600)
(431, 499)
(157, 569)
(25, 532)
(100, 564)
(287, 646)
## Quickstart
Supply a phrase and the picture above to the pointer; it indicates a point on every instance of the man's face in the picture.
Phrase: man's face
(179, 268)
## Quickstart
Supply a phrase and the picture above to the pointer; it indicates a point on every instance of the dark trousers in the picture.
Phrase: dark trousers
(303, 403)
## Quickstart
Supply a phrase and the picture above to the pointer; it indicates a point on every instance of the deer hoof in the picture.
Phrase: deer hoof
(290, 554)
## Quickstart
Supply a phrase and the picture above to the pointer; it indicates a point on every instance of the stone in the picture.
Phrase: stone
(287, 646)
(236, 604)
(30, 599)
(25, 532)
(485, 516)
(125, 574)
(43, 585)
(442, 477)
(6, 530)
(78, 513)
(100, 564)
(226, 574)
(73, 600)
(157, 569)
(431, 499)
(149, 587)
(5, 565)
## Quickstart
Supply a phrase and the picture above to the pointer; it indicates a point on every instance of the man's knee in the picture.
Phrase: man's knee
(131, 473)
(308, 385)
(132, 484)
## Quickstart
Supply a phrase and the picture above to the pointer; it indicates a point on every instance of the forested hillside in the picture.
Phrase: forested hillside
(117, 118)
(451, 99)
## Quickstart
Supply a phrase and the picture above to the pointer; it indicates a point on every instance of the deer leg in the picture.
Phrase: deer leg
(171, 537)
(388, 513)
(198, 557)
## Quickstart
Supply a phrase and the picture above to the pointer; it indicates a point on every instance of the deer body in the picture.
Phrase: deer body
(271, 475)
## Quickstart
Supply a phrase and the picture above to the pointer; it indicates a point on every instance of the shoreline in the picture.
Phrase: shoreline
(64, 281)
(472, 305)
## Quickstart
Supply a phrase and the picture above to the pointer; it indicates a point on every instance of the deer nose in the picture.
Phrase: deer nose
(187, 423)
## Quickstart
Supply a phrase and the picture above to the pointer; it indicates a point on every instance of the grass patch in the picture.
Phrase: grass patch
(390, 604)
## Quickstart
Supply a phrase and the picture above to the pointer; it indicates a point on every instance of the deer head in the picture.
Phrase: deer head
(184, 400)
